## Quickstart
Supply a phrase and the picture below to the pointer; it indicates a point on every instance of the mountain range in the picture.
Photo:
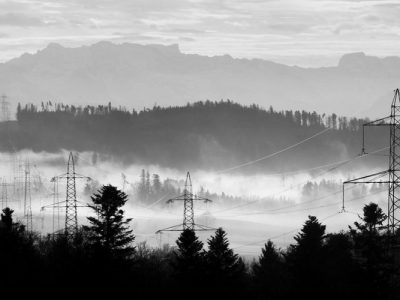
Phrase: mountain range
(138, 76)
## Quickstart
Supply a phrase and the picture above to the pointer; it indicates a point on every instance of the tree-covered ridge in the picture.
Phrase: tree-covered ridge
(212, 135)
(221, 108)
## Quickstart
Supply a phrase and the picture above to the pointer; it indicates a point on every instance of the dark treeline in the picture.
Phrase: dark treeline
(103, 258)
(206, 134)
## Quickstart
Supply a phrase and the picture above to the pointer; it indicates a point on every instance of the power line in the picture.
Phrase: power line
(330, 216)
(273, 154)
(337, 165)
(279, 235)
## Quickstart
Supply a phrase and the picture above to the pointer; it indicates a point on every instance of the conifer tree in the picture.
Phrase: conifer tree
(225, 269)
(109, 232)
(306, 256)
(156, 183)
(221, 260)
(189, 258)
(370, 244)
(271, 278)
(189, 246)
(373, 217)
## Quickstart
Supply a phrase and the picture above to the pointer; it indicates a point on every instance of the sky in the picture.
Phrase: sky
(307, 33)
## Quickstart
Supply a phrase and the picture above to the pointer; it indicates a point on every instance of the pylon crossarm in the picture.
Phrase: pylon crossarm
(378, 122)
(171, 228)
(82, 176)
(203, 228)
(83, 203)
(58, 176)
(202, 199)
(186, 196)
(52, 205)
(77, 176)
(357, 180)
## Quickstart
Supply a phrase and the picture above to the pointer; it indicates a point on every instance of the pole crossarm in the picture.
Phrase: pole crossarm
(77, 176)
(184, 197)
(180, 227)
(59, 204)
(379, 122)
(359, 179)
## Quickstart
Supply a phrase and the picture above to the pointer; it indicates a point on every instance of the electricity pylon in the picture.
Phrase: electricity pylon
(390, 176)
(5, 109)
(188, 199)
(28, 198)
(4, 194)
(70, 204)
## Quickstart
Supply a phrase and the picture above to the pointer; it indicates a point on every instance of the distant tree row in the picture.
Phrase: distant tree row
(299, 118)
(207, 135)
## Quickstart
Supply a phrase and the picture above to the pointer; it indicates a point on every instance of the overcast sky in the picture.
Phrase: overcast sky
(301, 32)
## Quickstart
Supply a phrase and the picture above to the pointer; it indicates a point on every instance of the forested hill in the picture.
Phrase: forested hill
(208, 135)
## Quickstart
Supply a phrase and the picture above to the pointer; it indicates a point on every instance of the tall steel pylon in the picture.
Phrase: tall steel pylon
(71, 203)
(71, 211)
(4, 194)
(28, 198)
(5, 109)
(391, 175)
(188, 199)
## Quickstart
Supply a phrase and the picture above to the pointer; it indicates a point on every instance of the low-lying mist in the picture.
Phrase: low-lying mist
(251, 208)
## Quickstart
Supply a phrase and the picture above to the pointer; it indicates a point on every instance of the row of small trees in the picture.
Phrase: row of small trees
(101, 258)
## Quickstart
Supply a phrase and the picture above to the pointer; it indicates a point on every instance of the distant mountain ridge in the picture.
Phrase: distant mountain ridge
(139, 76)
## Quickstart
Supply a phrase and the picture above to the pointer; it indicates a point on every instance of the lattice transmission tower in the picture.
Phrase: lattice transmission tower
(28, 198)
(188, 199)
(4, 109)
(71, 203)
(4, 193)
(391, 176)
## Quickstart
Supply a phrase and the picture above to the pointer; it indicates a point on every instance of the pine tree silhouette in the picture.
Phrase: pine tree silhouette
(225, 269)
(189, 261)
(370, 245)
(305, 258)
(220, 258)
(109, 232)
(271, 276)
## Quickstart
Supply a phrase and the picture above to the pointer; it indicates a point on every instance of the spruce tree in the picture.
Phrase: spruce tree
(156, 184)
(305, 258)
(189, 246)
(189, 258)
(225, 269)
(271, 277)
(221, 260)
(109, 232)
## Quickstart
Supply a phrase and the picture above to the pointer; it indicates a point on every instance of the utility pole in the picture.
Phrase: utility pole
(188, 199)
(4, 194)
(70, 204)
(5, 109)
(28, 199)
(390, 176)
(56, 209)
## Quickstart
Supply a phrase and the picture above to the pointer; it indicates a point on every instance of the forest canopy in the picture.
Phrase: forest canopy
(210, 135)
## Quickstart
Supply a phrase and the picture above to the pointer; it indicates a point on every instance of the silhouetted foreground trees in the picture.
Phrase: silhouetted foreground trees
(102, 259)
(212, 135)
